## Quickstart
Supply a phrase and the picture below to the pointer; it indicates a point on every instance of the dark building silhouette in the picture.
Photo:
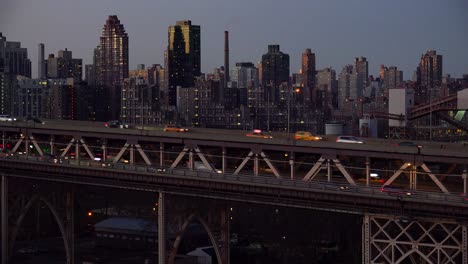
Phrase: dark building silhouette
(113, 63)
(13, 62)
(275, 70)
(308, 75)
(183, 57)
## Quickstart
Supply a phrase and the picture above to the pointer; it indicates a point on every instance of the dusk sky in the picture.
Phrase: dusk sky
(394, 33)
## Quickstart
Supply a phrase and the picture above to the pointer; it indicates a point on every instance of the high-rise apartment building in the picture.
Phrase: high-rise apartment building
(245, 74)
(391, 77)
(64, 66)
(275, 67)
(430, 70)
(344, 82)
(359, 78)
(275, 70)
(326, 88)
(113, 53)
(183, 57)
(112, 64)
(13, 62)
(308, 75)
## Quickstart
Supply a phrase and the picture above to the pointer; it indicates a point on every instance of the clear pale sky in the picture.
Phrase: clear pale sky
(392, 32)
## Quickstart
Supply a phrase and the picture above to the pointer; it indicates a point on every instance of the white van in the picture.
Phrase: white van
(7, 118)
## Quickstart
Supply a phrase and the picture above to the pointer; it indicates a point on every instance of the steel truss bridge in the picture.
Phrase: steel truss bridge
(148, 159)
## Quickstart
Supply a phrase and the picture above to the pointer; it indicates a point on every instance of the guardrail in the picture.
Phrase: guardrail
(320, 186)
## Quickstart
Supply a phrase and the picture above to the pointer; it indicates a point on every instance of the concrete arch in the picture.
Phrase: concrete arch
(411, 252)
(181, 234)
(23, 213)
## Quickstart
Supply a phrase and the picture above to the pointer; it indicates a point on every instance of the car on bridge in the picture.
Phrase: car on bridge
(409, 144)
(349, 139)
(257, 133)
(395, 190)
(304, 135)
(173, 128)
(116, 124)
(7, 118)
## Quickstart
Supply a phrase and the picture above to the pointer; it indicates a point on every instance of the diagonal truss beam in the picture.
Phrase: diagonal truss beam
(85, 146)
(143, 154)
(65, 151)
(122, 151)
(203, 159)
(246, 159)
(434, 178)
(268, 162)
(344, 171)
(397, 173)
(180, 157)
(315, 169)
(39, 150)
(18, 144)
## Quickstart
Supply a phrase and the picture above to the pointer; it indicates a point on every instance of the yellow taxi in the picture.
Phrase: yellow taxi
(172, 128)
(304, 135)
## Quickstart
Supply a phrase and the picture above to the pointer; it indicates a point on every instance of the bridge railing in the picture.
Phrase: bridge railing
(320, 186)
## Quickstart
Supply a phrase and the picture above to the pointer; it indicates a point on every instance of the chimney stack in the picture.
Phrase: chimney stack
(226, 58)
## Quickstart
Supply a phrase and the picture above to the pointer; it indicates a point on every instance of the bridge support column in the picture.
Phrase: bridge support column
(161, 229)
(26, 144)
(77, 150)
(291, 165)
(4, 208)
(70, 225)
(464, 176)
(190, 165)
(3, 140)
(367, 171)
(161, 154)
(132, 155)
(329, 172)
(225, 236)
(223, 160)
(104, 151)
(366, 240)
(52, 145)
(256, 164)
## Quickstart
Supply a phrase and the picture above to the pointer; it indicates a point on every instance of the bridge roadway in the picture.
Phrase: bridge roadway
(245, 188)
(378, 148)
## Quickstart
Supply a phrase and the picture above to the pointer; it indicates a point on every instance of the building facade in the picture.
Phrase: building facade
(183, 57)
(112, 64)
(308, 70)
(275, 71)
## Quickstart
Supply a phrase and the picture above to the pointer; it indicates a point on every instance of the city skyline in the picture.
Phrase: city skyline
(393, 34)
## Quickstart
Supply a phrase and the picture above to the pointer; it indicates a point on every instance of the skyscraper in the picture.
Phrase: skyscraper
(430, 69)
(113, 63)
(113, 53)
(183, 57)
(275, 70)
(308, 75)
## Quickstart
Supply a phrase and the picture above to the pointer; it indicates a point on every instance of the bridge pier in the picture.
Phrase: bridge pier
(4, 208)
(161, 228)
